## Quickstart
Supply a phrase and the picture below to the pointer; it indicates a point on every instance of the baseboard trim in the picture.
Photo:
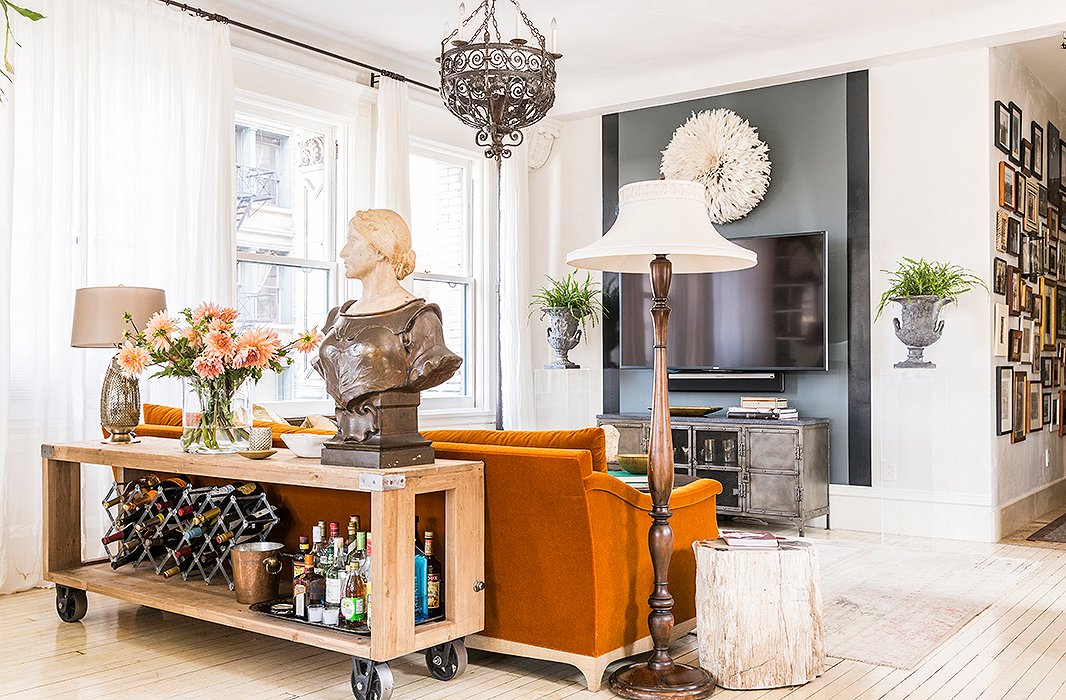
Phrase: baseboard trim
(950, 516)
(591, 667)
(1024, 509)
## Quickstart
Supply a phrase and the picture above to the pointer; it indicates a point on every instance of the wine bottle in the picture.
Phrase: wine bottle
(249, 532)
(132, 554)
(434, 580)
(172, 571)
(118, 535)
(334, 574)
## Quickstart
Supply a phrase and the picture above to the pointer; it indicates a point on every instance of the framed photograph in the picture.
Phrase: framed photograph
(1059, 305)
(1051, 260)
(1014, 236)
(999, 327)
(1014, 346)
(1056, 372)
(1045, 371)
(999, 276)
(1002, 128)
(1014, 291)
(1002, 217)
(1045, 407)
(1020, 183)
(1019, 407)
(1062, 412)
(1026, 356)
(1006, 185)
(1027, 158)
(1053, 219)
(1041, 202)
(1031, 222)
(1004, 393)
(1047, 318)
(1036, 415)
(1036, 137)
(1025, 261)
(1015, 133)
(1054, 412)
(1062, 159)
(1054, 166)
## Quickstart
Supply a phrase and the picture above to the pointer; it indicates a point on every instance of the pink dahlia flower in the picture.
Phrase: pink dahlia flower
(208, 366)
(220, 343)
(205, 310)
(133, 359)
(308, 340)
(256, 348)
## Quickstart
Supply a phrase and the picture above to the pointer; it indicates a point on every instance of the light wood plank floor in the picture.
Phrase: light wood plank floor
(1014, 649)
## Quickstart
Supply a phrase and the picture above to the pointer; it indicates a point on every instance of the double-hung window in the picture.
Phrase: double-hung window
(287, 270)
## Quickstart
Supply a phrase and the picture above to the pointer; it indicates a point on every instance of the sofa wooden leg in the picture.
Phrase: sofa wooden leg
(593, 671)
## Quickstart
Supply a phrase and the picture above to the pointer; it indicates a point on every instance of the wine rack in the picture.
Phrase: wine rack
(201, 526)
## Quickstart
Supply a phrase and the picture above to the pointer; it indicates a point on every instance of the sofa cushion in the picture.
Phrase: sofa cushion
(154, 414)
(590, 439)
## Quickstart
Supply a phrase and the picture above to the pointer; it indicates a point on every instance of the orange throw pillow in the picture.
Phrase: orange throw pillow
(154, 414)
(590, 439)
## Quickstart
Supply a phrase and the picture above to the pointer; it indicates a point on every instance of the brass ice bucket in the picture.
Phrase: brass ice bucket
(256, 566)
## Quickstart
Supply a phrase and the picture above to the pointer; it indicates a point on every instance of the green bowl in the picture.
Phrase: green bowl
(634, 464)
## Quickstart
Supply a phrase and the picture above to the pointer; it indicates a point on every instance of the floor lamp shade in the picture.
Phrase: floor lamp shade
(662, 228)
(662, 217)
(98, 313)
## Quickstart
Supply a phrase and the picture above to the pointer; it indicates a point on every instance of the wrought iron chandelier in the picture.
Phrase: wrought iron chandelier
(497, 87)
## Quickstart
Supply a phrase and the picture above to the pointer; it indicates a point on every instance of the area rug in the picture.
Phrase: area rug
(1055, 531)
(893, 606)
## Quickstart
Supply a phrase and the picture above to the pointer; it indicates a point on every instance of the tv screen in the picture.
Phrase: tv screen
(768, 317)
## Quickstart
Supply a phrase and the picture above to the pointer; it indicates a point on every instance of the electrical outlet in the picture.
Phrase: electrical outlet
(888, 470)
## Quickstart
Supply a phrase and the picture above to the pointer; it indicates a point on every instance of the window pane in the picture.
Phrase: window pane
(284, 190)
(453, 298)
(439, 227)
(289, 300)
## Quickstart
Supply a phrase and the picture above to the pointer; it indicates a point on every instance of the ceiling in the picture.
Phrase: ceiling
(626, 53)
(1047, 60)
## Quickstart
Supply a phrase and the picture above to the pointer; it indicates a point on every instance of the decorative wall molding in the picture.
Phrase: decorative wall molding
(541, 138)
(953, 516)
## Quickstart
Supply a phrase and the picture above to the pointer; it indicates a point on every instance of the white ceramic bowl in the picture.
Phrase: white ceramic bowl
(305, 444)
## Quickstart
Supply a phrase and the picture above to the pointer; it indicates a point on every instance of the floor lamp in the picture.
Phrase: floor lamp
(661, 225)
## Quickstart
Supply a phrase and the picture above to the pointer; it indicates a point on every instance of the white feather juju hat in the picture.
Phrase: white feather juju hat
(724, 152)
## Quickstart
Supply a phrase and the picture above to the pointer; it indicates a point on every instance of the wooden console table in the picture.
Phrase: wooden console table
(392, 495)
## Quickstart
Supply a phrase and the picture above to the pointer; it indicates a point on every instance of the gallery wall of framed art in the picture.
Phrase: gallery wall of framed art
(1029, 275)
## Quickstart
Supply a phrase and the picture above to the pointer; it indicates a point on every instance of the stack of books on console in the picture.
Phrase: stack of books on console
(763, 407)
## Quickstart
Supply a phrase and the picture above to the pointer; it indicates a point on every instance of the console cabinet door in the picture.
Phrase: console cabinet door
(773, 494)
(632, 438)
(771, 449)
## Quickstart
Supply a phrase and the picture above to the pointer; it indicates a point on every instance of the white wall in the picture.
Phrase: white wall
(1020, 468)
(565, 213)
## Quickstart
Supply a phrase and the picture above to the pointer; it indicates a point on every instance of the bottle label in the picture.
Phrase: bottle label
(333, 590)
(299, 599)
(433, 591)
(246, 488)
(353, 609)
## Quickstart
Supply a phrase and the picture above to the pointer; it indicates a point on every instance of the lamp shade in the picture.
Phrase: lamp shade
(662, 217)
(98, 313)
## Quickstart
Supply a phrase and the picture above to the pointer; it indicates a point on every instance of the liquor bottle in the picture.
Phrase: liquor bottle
(434, 580)
(334, 574)
(364, 571)
(309, 589)
(421, 579)
(298, 559)
(353, 528)
(316, 541)
(353, 599)
(322, 549)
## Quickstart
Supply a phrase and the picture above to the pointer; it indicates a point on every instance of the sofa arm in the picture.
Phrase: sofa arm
(687, 495)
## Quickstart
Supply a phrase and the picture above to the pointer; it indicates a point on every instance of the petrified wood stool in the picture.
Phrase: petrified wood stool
(759, 614)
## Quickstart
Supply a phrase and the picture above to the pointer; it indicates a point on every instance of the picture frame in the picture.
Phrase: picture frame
(1041, 201)
(1045, 407)
(1025, 263)
(1015, 133)
(1036, 137)
(1007, 176)
(1059, 306)
(1013, 295)
(999, 276)
(1026, 355)
(1035, 413)
(1001, 119)
(1054, 165)
(1014, 236)
(1004, 394)
(1045, 371)
(1027, 158)
(1062, 159)
(1014, 345)
(1020, 183)
(1051, 260)
(1062, 412)
(1031, 220)
(1047, 322)
(1053, 218)
(1054, 412)
(1019, 407)
(1002, 217)
(1000, 329)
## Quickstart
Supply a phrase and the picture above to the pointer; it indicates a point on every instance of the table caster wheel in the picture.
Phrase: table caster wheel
(71, 603)
(371, 681)
(446, 661)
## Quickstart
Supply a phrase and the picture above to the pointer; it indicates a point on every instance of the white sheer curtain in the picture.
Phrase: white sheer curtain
(519, 412)
(116, 167)
(392, 168)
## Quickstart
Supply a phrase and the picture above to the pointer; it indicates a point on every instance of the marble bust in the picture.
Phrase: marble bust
(384, 345)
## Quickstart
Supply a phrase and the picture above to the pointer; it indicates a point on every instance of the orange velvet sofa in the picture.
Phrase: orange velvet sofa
(567, 567)
(165, 421)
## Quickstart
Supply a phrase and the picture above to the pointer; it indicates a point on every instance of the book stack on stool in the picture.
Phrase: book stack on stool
(763, 407)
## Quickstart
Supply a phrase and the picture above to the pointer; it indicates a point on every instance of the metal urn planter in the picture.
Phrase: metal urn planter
(564, 333)
(918, 327)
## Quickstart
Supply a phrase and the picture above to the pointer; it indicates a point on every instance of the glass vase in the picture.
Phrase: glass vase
(216, 415)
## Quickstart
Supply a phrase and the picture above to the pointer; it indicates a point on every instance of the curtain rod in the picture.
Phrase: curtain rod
(222, 19)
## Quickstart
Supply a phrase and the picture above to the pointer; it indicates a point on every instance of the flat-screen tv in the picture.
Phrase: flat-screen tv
(767, 318)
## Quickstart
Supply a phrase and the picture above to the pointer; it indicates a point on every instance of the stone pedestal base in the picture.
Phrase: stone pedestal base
(396, 442)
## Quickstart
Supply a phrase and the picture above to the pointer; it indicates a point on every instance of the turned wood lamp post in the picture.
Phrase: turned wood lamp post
(661, 224)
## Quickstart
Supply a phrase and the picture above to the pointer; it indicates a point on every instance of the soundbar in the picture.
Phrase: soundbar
(712, 381)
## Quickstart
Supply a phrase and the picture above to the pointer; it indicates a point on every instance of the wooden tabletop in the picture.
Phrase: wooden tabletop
(165, 454)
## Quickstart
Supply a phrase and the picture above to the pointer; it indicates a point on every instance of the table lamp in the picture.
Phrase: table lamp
(99, 323)
(662, 225)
